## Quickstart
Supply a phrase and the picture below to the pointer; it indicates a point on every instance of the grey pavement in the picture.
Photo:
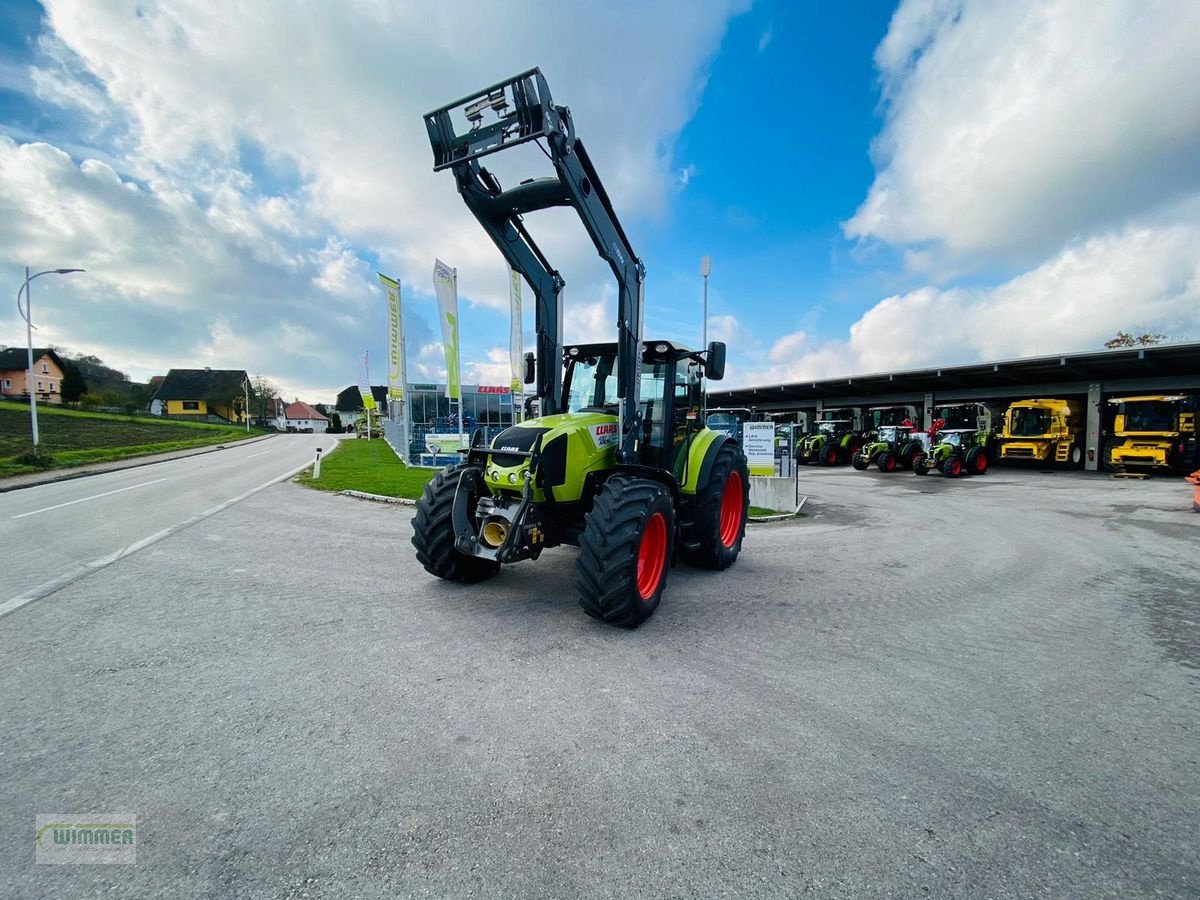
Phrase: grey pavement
(58, 531)
(978, 688)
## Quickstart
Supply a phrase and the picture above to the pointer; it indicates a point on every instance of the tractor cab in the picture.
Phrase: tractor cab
(671, 393)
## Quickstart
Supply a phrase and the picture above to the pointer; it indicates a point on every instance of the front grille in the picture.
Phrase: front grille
(519, 437)
(1025, 452)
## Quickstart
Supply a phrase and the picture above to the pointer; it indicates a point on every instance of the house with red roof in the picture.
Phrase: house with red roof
(299, 416)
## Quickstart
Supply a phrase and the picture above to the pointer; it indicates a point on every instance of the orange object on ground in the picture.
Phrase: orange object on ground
(1194, 480)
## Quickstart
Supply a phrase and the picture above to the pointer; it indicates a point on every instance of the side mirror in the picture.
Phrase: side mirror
(715, 362)
(530, 368)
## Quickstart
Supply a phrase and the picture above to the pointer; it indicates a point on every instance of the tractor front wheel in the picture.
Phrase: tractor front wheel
(829, 456)
(918, 464)
(433, 532)
(859, 462)
(952, 467)
(887, 461)
(625, 551)
(721, 509)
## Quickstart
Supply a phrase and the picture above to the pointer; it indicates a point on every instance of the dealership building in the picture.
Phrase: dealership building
(1092, 378)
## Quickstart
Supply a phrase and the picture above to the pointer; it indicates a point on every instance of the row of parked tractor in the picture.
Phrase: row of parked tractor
(1140, 433)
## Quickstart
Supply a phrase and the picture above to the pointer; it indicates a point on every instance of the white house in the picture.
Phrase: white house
(299, 416)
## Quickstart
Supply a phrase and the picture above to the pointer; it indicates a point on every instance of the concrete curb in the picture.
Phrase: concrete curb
(378, 498)
(781, 516)
(135, 462)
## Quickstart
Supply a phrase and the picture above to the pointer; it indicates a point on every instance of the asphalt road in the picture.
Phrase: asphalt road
(56, 532)
(979, 688)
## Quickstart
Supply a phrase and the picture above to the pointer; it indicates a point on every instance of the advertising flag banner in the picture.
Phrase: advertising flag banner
(445, 285)
(364, 385)
(396, 366)
(515, 348)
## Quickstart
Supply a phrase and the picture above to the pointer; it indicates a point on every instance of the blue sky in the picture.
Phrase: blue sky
(879, 184)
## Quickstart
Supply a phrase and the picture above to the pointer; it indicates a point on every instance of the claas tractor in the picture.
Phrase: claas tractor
(879, 416)
(1153, 432)
(892, 447)
(961, 441)
(1050, 432)
(837, 439)
(619, 461)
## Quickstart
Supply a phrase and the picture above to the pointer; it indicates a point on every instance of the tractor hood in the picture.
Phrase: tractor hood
(572, 445)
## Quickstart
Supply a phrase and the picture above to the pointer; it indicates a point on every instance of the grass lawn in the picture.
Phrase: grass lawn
(368, 466)
(74, 438)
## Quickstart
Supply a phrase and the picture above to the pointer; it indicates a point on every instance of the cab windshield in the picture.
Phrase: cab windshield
(953, 438)
(888, 433)
(1149, 415)
(829, 427)
(593, 383)
(1027, 422)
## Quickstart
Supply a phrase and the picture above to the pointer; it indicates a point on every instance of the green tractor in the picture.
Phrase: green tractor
(619, 462)
(838, 438)
(893, 447)
(963, 441)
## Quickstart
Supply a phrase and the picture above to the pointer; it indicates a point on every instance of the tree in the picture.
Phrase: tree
(335, 423)
(73, 384)
(263, 395)
(1125, 339)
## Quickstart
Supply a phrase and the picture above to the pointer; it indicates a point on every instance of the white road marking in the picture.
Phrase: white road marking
(49, 587)
(86, 499)
(259, 453)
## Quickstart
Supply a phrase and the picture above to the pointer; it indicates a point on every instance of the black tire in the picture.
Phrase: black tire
(918, 464)
(976, 462)
(908, 453)
(714, 552)
(606, 573)
(433, 533)
(829, 455)
(952, 467)
(1109, 446)
(887, 461)
(859, 462)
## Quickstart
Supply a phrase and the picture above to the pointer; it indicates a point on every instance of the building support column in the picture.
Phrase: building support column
(1092, 450)
(928, 414)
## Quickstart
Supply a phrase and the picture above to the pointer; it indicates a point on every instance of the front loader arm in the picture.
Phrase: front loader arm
(525, 112)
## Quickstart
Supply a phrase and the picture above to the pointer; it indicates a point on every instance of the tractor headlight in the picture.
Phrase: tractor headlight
(512, 477)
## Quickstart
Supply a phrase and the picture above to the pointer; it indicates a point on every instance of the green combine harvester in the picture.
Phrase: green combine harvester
(619, 462)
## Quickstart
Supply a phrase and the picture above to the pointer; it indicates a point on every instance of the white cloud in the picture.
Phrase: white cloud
(1015, 127)
(764, 39)
(1144, 275)
(189, 246)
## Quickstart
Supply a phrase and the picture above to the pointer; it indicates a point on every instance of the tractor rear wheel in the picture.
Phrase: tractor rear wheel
(918, 464)
(952, 467)
(887, 461)
(721, 509)
(625, 551)
(908, 453)
(433, 532)
(977, 461)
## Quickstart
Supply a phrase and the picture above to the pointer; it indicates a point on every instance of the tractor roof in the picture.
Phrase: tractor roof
(1150, 398)
(652, 349)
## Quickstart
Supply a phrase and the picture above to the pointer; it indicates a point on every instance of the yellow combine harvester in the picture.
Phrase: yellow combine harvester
(1153, 432)
(1050, 432)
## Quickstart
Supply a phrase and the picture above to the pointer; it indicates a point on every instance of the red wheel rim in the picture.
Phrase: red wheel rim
(732, 499)
(980, 464)
(652, 556)
(955, 467)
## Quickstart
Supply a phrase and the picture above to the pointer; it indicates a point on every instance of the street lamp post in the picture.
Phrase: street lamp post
(705, 270)
(27, 315)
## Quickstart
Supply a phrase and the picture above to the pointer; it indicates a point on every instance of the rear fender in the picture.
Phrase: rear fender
(700, 453)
